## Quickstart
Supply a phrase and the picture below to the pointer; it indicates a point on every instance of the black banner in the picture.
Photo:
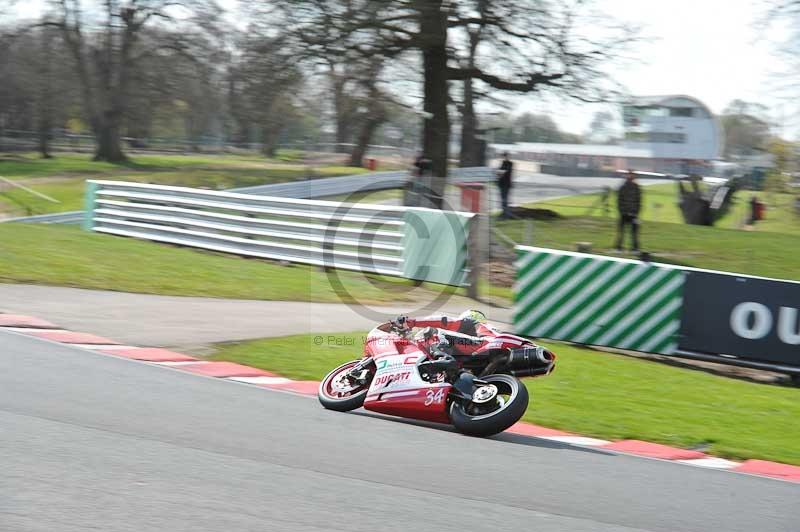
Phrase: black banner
(758, 319)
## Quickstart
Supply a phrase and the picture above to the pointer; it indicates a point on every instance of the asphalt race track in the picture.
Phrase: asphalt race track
(90, 442)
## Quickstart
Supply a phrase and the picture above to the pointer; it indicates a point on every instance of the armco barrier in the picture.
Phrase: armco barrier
(597, 300)
(416, 243)
(306, 189)
(658, 308)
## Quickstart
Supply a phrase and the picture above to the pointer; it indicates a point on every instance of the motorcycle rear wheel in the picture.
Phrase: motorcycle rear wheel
(337, 392)
(474, 419)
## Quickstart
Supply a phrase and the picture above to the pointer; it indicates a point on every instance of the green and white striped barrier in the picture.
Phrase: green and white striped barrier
(596, 300)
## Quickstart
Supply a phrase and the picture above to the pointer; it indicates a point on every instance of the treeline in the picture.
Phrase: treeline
(352, 71)
(529, 127)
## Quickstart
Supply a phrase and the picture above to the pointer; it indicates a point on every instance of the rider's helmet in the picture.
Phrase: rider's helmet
(470, 320)
(475, 315)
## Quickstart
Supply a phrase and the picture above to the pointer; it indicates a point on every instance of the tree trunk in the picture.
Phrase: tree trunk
(371, 124)
(272, 132)
(471, 149)
(360, 149)
(270, 143)
(342, 136)
(115, 78)
(470, 155)
(45, 94)
(44, 139)
(342, 131)
(107, 136)
(341, 110)
(436, 129)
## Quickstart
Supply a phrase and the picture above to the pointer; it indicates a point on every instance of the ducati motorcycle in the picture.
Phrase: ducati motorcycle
(439, 375)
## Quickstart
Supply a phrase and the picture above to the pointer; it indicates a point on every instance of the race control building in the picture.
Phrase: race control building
(674, 134)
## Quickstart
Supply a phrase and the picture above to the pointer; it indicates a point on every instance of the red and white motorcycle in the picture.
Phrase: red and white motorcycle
(466, 375)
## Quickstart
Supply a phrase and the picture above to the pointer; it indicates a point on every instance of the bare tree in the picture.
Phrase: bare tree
(45, 103)
(519, 46)
(530, 46)
(601, 128)
(107, 39)
(264, 78)
(328, 49)
(787, 11)
(345, 106)
(747, 132)
(372, 111)
(32, 65)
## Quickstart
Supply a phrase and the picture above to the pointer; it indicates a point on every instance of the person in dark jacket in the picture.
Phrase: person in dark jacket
(753, 210)
(504, 184)
(421, 166)
(629, 203)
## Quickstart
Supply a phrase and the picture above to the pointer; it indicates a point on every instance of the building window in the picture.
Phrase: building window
(656, 111)
(634, 116)
(675, 138)
(655, 136)
(681, 111)
(636, 136)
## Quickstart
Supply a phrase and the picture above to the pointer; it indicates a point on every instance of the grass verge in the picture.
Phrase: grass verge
(601, 395)
(660, 204)
(63, 176)
(67, 256)
(766, 254)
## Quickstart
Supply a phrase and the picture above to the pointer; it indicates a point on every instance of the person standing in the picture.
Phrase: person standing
(421, 165)
(418, 184)
(504, 184)
(754, 210)
(629, 203)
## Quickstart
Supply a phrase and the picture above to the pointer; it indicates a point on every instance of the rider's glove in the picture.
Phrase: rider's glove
(438, 350)
(403, 322)
(399, 321)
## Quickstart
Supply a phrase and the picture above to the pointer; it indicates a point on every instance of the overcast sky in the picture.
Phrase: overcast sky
(710, 49)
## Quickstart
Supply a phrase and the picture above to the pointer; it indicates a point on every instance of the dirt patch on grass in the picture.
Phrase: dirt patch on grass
(500, 273)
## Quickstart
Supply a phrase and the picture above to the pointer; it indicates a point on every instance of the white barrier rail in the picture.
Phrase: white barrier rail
(367, 238)
(311, 188)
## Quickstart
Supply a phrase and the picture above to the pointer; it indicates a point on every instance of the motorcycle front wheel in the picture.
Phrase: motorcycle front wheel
(494, 408)
(338, 391)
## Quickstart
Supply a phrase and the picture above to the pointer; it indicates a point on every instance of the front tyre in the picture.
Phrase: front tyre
(339, 391)
(492, 410)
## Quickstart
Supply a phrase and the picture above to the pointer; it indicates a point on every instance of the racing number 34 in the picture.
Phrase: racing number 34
(432, 397)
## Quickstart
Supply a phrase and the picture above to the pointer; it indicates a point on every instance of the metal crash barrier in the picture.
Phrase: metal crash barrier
(308, 188)
(415, 243)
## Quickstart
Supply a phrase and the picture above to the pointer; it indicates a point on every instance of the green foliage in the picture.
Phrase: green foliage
(776, 182)
(782, 152)
(529, 127)
(76, 126)
(746, 130)
(598, 394)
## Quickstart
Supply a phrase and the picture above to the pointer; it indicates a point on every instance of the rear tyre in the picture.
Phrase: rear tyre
(339, 392)
(487, 418)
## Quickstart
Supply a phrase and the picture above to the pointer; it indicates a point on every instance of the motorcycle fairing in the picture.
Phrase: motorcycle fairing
(398, 389)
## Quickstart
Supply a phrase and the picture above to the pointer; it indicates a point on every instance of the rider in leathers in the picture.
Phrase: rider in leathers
(469, 326)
